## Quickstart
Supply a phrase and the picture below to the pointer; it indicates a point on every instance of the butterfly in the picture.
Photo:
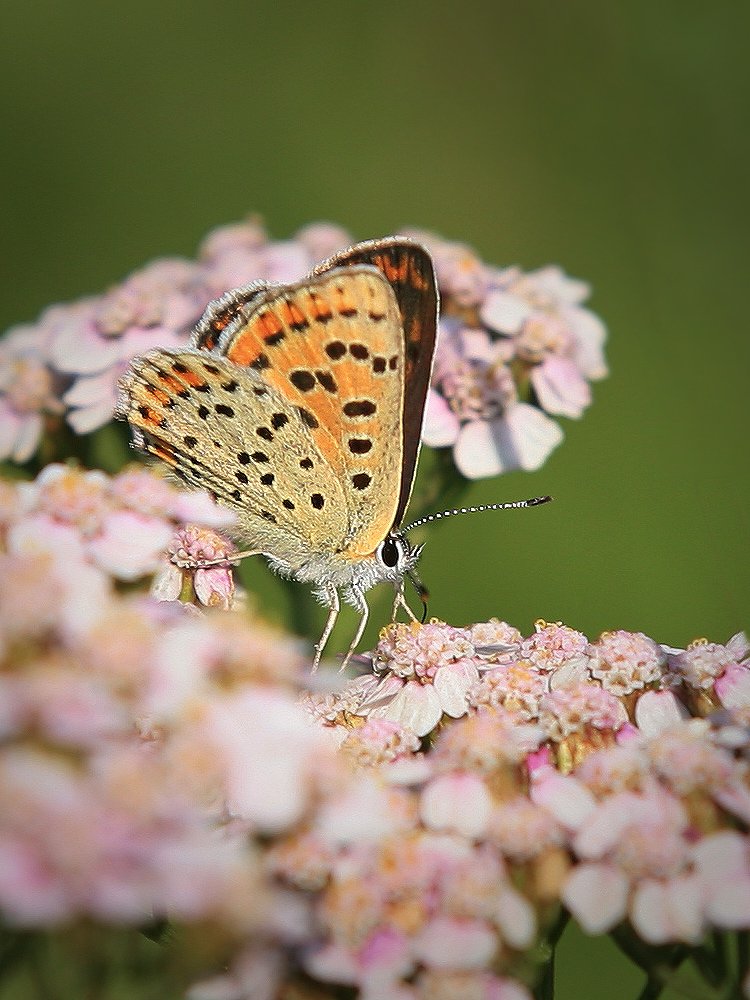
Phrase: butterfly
(300, 407)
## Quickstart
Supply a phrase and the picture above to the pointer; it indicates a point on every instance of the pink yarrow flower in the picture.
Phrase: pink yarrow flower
(120, 525)
(427, 671)
(514, 350)
(29, 390)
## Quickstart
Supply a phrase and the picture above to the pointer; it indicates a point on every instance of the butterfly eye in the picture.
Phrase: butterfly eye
(391, 551)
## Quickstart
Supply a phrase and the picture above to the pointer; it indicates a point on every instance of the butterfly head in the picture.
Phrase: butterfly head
(396, 557)
(390, 562)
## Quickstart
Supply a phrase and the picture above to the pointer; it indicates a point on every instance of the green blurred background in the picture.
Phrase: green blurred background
(610, 137)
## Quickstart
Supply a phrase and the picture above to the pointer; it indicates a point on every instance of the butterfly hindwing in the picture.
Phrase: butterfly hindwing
(238, 437)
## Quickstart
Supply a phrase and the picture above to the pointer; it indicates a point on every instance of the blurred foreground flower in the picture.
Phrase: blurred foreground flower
(414, 833)
(514, 351)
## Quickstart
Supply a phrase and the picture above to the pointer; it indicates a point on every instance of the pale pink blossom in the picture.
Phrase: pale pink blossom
(523, 829)
(28, 389)
(626, 661)
(561, 388)
(670, 910)
(702, 663)
(120, 525)
(638, 852)
(563, 796)
(376, 966)
(270, 729)
(616, 769)
(256, 971)
(367, 812)
(536, 319)
(212, 585)
(555, 646)
(733, 692)
(97, 338)
(522, 439)
(450, 943)
(428, 672)
(445, 984)
(323, 239)
(458, 803)
(658, 710)
(379, 741)
(597, 895)
(722, 862)
(487, 743)
(129, 545)
(585, 711)
(476, 411)
(494, 633)
(514, 688)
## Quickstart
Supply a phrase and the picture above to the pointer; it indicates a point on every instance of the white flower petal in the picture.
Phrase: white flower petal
(10, 423)
(198, 506)
(561, 388)
(78, 347)
(482, 450)
(130, 544)
(458, 803)
(89, 418)
(532, 435)
(554, 282)
(90, 390)
(416, 707)
(658, 710)
(596, 895)
(85, 599)
(267, 728)
(40, 535)
(738, 646)
(504, 312)
(590, 334)
(449, 943)
(452, 683)
(362, 814)
(729, 906)
(167, 584)
(516, 919)
(27, 438)
(669, 910)
(441, 424)
(567, 798)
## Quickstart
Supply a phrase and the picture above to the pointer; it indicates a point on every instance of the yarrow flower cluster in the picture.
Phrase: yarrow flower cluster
(514, 349)
(416, 832)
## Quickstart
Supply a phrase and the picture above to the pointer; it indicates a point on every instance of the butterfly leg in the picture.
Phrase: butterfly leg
(357, 598)
(399, 601)
(335, 605)
(229, 560)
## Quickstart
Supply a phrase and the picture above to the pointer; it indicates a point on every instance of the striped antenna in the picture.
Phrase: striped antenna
(534, 502)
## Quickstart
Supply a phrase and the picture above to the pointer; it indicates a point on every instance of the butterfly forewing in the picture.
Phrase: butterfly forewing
(221, 313)
(408, 268)
(333, 347)
(236, 436)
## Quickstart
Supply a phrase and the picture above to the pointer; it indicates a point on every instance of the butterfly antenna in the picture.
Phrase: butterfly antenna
(534, 502)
